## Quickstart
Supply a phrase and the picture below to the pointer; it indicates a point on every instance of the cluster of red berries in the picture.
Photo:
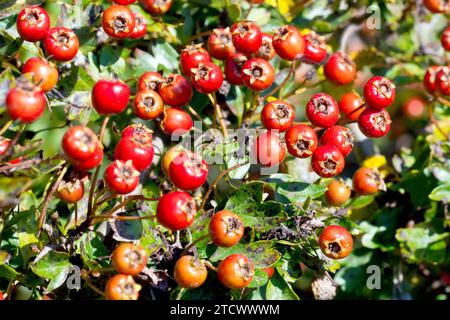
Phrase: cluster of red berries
(437, 80)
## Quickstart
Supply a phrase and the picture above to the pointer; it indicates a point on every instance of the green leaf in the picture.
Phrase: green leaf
(54, 266)
(91, 248)
(7, 272)
(259, 279)
(279, 289)
(440, 193)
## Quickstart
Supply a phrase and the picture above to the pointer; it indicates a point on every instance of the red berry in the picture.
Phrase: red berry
(445, 39)
(71, 191)
(429, 79)
(26, 102)
(121, 177)
(79, 143)
(226, 228)
(118, 22)
(322, 110)
(43, 73)
(233, 68)
(148, 104)
(190, 272)
(288, 43)
(140, 26)
(414, 107)
(191, 57)
(138, 149)
(122, 287)
(266, 51)
(246, 36)
(91, 163)
(4, 145)
(374, 123)
(437, 6)
(156, 7)
(129, 259)
(335, 242)
(367, 181)
(220, 45)
(340, 69)
(235, 272)
(110, 96)
(176, 122)
(327, 161)
(277, 115)
(315, 47)
(33, 23)
(379, 92)
(270, 149)
(124, 2)
(443, 81)
(340, 137)
(337, 193)
(149, 80)
(188, 171)
(138, 131)
(61, 43)
(258, 74)
(351, 105)
(176, 210)
(301, 141)
(206, 77)
(175, 90)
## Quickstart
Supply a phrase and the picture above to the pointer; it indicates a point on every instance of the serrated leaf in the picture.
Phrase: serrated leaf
(54, 266)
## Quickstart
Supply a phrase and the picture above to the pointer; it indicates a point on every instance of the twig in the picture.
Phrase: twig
(291, 71)
(6, 126)
(435, 122)
(192, 110)
(190, 245)
(218, 113)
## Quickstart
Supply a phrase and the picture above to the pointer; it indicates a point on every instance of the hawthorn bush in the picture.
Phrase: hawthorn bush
(175, 149)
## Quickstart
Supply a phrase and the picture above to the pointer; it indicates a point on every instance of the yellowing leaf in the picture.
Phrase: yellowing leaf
(271, 98)
(374, 162)
(286, 7)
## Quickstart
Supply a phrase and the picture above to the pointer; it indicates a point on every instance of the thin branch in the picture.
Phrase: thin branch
(291, 71)
(218, 114)
(6, 126)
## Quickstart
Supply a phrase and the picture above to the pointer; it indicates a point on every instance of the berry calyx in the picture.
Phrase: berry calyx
(61, 43)
(148, 104)
(322, 110)
(206, 77)
(118, 21)
(335, 242)
(220, 45)
(327, 161)
(258, 74)
(138, 131)
(150, 81)
(121, 177)
(33, 23)
(266, 51)
(301, 140)
(277, 115)
(191, 57)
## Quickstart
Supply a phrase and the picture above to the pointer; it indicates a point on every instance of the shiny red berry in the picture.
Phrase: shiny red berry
(175, 90)
(176, 122)
(226, 228)
(206, 77)
(42, 72)
(121, 177)
(138, 131)
(445, 39)
(191, 57)
(140, 26)
(235, 271)
(156, 7)
(220, 45)
(322, 110)
(188, 171)
(148, 104)
(110, 96)
(340, 137)
(139, 150)
(315, 48)
(374, 123)
(301, 140)
(92, 162)
(437, 6)
(443, 81)
(266, 51)
(149, 80)
(277, 115)
(367, 181)
(340, 69)
(270, 149)
(233, 68)
(79, 143)
(176, 210)
(429, 80)
(118, 22)
(351, 105)
(258, 74)
(379, 92)
(335, 242)
(61, 44)
(246, 37)
(288, 43)
(71, 191)
(124, 2)
(327, 161)
(33, 23)
(25, 102)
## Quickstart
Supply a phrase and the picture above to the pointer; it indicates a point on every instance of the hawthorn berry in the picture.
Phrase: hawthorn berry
(25, 102)
(71, 191)
(288, 43)
(379, 92)
(414, 107)
(149, 80)
(374, 123)
(148, 104)
(118, 22)
(176, 210)
(270, 149)
(337, 193)
(266, 51)
(44, 74)
(327, 161)
(258, 74)
(176, 122)
(235, 271)
(33, 23)
(79, 143)
(191, 57)
(437, 6)
(277, 115)
(315, 47)
(124, 2)
(122, 287)
(246, 37)
(443, 81)
(335, 242)
(206, 77)
(301, 140)
(110, 96)
(129, 259)
(322, 110)
(188, 171)
(140, 26)
(90, 163)
(429, 79)
(190, 272)
(156, 7)
(233, 68)
(226, 228)
(351, 105)
(340, 69)
(175, 90)
(121, 177)
(167, 158)
(61, 43)
(368, 181)
(340, 137)
(220, 45)
(137, 149)
(137, 131)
